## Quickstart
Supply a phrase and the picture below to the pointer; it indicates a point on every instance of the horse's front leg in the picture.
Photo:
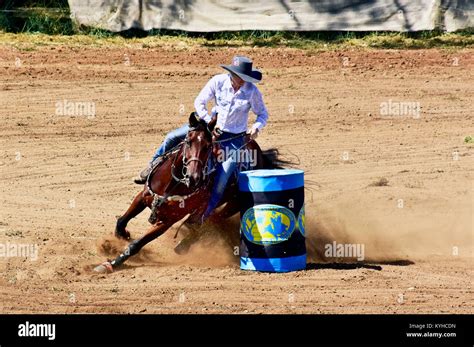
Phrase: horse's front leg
(136, 207)
(134, 247)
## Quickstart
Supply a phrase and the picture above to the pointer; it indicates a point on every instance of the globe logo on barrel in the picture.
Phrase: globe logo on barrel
(268, 224)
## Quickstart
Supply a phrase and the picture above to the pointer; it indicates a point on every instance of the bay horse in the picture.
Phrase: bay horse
(181, 185)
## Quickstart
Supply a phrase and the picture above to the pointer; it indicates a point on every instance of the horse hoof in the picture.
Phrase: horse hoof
(105, 267)
(124, 235)
(182, 247)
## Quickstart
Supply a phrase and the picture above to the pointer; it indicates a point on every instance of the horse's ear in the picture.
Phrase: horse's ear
(193, 120)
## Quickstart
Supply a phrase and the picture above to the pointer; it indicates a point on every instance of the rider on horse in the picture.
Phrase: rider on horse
(235, 94)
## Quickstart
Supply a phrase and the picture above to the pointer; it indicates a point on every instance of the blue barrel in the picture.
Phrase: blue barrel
(272, 220)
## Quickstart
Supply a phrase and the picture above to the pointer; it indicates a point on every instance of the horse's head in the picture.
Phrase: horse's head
(196, 151)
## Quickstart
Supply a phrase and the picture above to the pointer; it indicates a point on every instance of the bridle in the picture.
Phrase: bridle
(206, 169)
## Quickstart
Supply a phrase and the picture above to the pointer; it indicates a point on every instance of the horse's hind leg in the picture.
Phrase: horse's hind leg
(231, 208)
(183, 246)
(136, 207)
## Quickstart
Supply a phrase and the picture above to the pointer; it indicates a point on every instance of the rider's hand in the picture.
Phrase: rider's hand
(253, 133)
(216, 133)
(212, 123)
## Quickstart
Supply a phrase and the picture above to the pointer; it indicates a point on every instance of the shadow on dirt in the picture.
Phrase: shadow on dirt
(353, 266)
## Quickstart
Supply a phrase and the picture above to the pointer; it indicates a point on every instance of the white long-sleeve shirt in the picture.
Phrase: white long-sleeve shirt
(232, 108)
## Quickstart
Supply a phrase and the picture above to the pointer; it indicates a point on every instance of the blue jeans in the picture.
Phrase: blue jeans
(171, 140)
(224, 170)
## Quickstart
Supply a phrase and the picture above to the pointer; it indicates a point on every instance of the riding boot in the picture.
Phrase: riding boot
(143, 175)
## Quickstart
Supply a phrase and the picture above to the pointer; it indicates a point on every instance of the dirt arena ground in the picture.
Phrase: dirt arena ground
(64, 179)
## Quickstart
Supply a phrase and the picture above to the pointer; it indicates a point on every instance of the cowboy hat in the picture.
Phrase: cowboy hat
(242, 67)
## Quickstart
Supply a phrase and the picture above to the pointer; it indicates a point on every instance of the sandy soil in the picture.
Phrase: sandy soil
(64, 179)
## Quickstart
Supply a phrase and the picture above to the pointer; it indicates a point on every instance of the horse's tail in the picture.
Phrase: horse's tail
(271, 160)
